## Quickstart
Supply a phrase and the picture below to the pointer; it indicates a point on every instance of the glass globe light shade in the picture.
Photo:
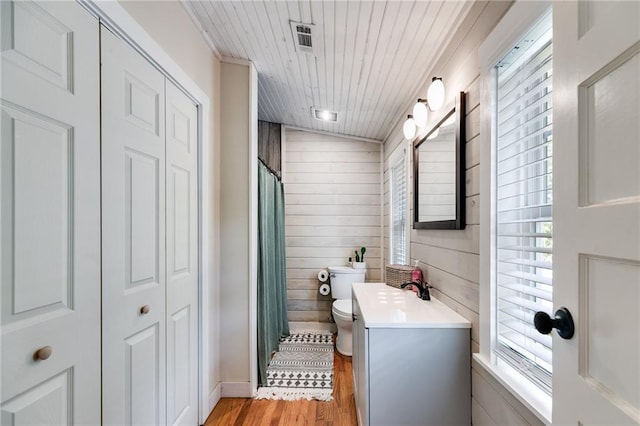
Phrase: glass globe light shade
(409, 128)
(435, 94)
(420, 113)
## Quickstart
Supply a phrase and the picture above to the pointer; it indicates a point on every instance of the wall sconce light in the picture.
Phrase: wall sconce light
(420, 113)
(409, 128)
(435, 94)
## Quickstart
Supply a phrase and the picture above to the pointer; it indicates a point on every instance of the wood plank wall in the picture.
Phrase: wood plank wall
(269, 145)
(332, 207)
(450, 259)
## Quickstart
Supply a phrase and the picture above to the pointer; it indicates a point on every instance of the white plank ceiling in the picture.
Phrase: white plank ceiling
(370, 57)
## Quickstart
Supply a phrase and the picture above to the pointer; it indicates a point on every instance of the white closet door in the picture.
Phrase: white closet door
(50, 215)
(182, 271)
(133, 230)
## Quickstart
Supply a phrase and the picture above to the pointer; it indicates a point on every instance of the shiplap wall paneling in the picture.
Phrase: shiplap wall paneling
(332, 207)
(269, 145)
(493, 404)
(450, 259)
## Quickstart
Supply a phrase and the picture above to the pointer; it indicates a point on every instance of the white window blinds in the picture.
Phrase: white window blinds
(523, 210)
(399, 212)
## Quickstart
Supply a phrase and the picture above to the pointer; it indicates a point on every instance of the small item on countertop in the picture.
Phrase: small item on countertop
(416, 274)
(350, 263)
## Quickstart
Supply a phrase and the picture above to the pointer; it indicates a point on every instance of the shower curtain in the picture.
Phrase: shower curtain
(272, 278)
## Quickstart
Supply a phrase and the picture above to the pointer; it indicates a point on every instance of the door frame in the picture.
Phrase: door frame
(113, 16)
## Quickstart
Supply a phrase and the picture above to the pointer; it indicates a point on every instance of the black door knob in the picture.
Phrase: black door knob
(563, 323)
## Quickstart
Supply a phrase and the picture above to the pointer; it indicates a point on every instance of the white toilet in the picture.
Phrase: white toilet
(341, 278)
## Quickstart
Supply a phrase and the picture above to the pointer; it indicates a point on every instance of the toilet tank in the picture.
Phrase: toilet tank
(341, 278)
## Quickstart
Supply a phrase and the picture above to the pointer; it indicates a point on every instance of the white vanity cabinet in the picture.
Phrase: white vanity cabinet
(411, 359)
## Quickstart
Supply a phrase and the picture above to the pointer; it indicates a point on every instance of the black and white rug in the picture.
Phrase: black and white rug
(301, 369)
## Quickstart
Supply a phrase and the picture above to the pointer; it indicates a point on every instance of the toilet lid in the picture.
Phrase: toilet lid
(342, 307)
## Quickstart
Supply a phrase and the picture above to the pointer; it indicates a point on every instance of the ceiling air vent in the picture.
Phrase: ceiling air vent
(302, 36)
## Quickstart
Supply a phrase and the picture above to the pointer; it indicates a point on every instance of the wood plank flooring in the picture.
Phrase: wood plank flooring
(339, 412)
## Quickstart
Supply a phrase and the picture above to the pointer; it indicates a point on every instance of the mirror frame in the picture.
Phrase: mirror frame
(459, 221)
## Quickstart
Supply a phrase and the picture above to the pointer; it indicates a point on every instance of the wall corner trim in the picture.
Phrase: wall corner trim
(203, 31)
(236, 61)
(336, 135)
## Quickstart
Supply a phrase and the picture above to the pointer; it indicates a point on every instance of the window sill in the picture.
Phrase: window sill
(535, 399)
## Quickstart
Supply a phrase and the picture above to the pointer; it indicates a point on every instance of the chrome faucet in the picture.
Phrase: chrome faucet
(423, 291)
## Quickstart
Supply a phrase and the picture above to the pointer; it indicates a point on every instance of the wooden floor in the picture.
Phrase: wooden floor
(340, 411)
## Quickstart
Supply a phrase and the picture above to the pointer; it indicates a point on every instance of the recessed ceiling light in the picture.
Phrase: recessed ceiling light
(324, 115)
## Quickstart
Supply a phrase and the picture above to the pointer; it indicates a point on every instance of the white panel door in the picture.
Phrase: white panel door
(50, 215)
(596, 375)
(182, 257)
(133, 231)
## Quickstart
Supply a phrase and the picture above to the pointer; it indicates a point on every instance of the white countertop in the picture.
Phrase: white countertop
(383, 306)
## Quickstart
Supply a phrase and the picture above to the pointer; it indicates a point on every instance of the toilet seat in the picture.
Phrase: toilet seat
(342, 307)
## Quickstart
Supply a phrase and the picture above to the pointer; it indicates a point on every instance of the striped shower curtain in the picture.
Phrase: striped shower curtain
(272, 276)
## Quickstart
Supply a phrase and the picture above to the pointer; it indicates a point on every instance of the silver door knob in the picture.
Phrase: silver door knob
(43, 353)
(145, 309)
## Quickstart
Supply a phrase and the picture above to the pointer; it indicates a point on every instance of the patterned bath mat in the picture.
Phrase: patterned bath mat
(301, 369)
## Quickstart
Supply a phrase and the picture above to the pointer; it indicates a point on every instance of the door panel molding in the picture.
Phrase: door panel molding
(50, 210)
(49, 402)
(114, 17)
(26, 23)
(182, 282)
(596, 273)
(133, 239)
(609, 89)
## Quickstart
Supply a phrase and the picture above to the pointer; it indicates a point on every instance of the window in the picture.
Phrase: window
(521, 259)
(399, 209)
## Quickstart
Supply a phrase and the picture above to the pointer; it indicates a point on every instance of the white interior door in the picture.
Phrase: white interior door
(133, 229)
(50, 215)
(596, 375)
(182, 257)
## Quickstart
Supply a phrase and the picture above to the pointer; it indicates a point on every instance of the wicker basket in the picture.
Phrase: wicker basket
(398, 274)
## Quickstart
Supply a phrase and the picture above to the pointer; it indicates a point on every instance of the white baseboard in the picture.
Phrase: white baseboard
(236, 390)
(214, 397)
